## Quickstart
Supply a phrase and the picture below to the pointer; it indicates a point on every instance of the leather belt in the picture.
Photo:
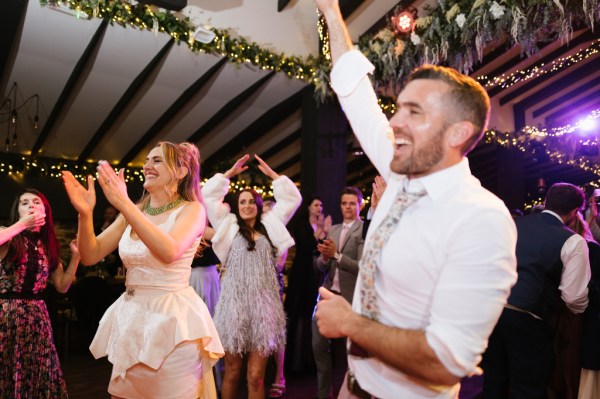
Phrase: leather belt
(356, 390)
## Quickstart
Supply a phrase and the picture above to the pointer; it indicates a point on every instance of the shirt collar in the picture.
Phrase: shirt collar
(553, 214)
(438, 183)
(348, 224)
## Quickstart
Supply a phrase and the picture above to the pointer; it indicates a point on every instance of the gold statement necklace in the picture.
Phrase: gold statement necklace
(162, 209)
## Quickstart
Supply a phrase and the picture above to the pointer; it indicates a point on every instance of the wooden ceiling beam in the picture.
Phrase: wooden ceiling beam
(264, 123)
(170, 113)
(60, 105)
(125, 99)
(229, 108)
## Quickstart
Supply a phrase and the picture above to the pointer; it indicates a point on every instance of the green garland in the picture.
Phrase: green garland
(237, 49)
(454, 33)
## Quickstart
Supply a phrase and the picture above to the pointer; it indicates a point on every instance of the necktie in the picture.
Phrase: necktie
(372, 251)
(343, 236)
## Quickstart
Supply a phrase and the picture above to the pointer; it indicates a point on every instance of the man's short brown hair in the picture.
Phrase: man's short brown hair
(469, 100)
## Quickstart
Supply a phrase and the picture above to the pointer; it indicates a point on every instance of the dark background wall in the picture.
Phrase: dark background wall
(53, 189)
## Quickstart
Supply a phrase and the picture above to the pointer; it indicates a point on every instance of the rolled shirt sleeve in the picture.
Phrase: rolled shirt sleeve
(576, 273)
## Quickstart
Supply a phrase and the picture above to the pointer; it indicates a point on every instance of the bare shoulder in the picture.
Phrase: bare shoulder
(191, 209)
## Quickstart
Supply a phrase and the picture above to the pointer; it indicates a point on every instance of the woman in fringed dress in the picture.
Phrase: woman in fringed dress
(249, 314)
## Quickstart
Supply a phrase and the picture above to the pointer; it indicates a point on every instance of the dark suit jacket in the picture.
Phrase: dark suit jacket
(348, 266)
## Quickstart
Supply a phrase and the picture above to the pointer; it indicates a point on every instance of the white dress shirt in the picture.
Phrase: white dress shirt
(576, 273)
(448, 267)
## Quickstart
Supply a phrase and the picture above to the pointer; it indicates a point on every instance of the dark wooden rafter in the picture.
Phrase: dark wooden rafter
(80, 67)
(170, 113)
(281, 4)
(229, 109)
(583, 105)
(498, 52)
(264, 123)
(281, 145)
(13, 15)
(287, 164)
(349, 6)
(125, 99)
(584, 37)
(560, 101)
(563, 83)
(365, 177)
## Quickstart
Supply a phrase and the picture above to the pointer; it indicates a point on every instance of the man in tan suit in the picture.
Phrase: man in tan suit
(339, 260)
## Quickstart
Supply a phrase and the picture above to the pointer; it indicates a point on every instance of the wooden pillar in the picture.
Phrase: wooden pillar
(324, 154)
(511, 179)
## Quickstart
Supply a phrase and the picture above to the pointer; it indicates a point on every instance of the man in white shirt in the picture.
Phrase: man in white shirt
(339, 260)
(443, 270)
(552, 265)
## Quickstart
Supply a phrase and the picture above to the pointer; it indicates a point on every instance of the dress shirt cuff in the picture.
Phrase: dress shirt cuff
(338, 257)
(344, 79)
(370, 213)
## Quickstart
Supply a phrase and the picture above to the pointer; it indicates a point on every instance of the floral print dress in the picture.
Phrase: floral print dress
(29, 365)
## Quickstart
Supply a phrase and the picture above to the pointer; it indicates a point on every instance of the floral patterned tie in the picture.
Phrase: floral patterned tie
(372, 251)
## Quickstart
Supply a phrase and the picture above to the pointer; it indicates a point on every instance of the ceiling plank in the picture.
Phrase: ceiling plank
(13, 12)
(281, 145)
(129, 94)
(171, 112)
(270, 118)
(85, 58)
(546, 60)
(281, 4)
(563, 83)
(514, 61)
(566, 97)
(349, 6)
(228, 109)
(587, 103)
(290, 162)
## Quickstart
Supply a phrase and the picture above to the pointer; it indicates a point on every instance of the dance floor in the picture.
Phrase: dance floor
(87, 378)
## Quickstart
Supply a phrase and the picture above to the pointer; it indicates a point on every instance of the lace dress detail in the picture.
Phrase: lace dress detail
(29, 367)
(249, 314)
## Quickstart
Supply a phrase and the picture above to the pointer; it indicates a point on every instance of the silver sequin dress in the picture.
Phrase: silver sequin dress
(249, 315)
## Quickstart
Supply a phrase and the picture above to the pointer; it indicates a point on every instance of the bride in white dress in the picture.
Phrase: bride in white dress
(158, 335)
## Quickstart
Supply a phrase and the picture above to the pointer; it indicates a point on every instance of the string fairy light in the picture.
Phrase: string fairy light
(505, 81)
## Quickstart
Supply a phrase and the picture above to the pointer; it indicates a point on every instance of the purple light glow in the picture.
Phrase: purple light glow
(587, 124)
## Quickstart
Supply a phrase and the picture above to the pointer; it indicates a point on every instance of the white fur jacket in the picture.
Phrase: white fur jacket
(225, 223)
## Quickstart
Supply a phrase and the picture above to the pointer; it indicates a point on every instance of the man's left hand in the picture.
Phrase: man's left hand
(333, 311)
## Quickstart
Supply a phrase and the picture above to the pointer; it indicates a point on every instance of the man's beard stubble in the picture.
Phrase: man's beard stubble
(421, 159)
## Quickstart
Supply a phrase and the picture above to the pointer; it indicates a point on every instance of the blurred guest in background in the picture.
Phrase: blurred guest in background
(29, 257)
(308, 227)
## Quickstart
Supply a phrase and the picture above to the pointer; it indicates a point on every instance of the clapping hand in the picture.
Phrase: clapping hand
(82, 199)
(379, 186)
(113, 185)
(323, 225)
(74, 248)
